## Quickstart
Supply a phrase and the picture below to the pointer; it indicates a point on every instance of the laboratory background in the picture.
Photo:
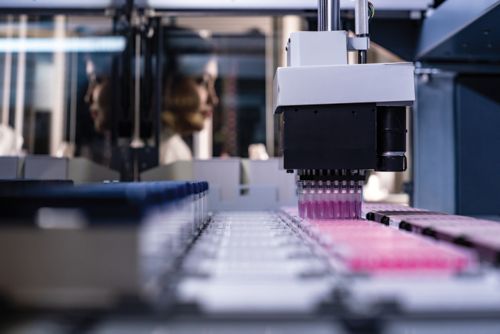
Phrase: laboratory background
(249, 166)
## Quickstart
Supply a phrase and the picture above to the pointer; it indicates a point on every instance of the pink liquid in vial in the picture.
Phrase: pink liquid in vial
(386, 250)
(350, 209)
(336, 209)
(302, 209)
(310, 209)
(325, 210)
(318, 209)
(331, 209)
(343, 209)
(340, 207)
(353, 209)
(358, 208)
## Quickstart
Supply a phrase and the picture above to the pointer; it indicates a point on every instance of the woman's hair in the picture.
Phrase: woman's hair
(186, 53)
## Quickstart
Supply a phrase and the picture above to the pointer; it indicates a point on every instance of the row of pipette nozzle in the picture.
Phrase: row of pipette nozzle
(337, 199)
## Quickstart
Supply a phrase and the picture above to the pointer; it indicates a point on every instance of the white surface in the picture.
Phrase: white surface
(223, 173)
(430, 294)
(259, 296)
(308, 48)
(268, 173)
(358, 43)
(367, 83)
(281, 4)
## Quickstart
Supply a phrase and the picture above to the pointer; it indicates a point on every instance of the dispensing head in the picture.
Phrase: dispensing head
(338, 119)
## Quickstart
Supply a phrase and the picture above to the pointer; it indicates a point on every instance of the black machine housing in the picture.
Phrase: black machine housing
(343, 136)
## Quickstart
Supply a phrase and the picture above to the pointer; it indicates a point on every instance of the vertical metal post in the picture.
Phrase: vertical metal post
(328, 15)
(158, 85)
(361, 18)
(73, 98)
(137, 142)
(136, 132)
(7, 74)
(57, 123)
(21, 80)
(270, 68)
(361, 25)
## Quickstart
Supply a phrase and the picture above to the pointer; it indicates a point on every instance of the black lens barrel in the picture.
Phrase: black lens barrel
(391, 139)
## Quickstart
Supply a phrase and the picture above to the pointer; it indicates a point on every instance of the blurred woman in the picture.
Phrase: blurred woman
(189, 96)
(98, 97)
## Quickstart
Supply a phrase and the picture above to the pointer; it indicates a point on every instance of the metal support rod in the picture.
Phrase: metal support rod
(362, 57)
(57, 120)
(328, 15)
(361, 26)
(136, 133)
(20, 81)
(158, 84)
(361, 18)
(73, 98)
(7, 72)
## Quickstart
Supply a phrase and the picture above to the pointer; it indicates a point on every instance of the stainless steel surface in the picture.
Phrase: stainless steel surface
(361, 17)
(328, 15)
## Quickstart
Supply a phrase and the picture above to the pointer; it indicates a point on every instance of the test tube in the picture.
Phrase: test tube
(310, 200)
(318, 200)
(359, 198)
(301, 197)
(336, 200)
(328, 200)
(343, 204)
(351, 200)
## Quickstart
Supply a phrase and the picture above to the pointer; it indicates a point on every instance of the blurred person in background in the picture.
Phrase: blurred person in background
(189, 97)
(98, 99)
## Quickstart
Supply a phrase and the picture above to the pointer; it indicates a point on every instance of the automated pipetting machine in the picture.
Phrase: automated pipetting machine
(162, 256)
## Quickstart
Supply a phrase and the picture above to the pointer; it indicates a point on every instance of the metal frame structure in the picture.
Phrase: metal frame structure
(457, 108)
(461, 30)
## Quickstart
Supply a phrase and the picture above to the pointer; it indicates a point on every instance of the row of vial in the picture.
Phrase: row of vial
(330, 199)
(250, 246)
(478, 234)
(168, 230)
(364, 246)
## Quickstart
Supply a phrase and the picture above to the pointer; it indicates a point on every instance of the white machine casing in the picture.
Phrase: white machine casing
(318, 74)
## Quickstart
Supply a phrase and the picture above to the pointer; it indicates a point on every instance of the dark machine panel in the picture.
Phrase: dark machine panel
(335, 136)
(478, 140)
